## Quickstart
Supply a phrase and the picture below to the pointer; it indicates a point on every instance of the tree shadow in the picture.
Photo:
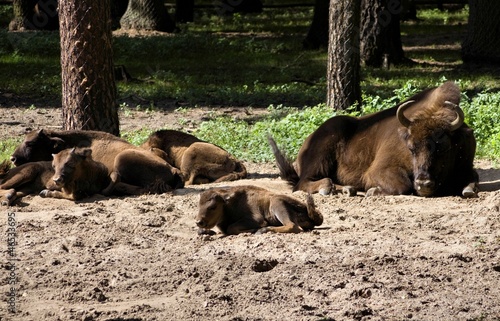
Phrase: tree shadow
(489, 179)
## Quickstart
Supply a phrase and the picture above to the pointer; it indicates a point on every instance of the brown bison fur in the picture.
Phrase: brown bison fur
(144, 172)
(200, 162)
(421, 146)
(41, 144)
(30, 178)
(77, 175)
(251, 209)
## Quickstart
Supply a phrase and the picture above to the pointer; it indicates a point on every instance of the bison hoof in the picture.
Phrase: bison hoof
(374, 191)
(262, 231)
(469, 192)
(204, 231)
(44, 193)
(325, 191)
(349, 191)
(5, 203)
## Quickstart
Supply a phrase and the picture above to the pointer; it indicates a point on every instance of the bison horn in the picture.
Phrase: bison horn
(457, 122)
(400, 113)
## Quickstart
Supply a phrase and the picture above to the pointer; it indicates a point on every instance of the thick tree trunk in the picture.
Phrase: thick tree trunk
(482, 43)
(118, 8)
(317, 36)
(147, 15)
(88, 84)
(34, 15)
(380, 32)
(343, 70)
(184, 10)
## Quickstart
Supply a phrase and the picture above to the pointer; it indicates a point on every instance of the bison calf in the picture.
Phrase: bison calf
(138, 171)
(29, 178)
(77, 175)
(200, 162)
(251, 209)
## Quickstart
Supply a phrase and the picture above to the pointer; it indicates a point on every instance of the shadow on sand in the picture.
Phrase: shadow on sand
(489, 179)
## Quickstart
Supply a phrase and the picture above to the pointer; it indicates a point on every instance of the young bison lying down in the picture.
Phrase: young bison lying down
(200, 162)
(29, 178)
(251, 209)
(77, 175)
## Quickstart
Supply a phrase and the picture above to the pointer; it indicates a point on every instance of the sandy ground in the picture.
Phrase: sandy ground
(140, 258)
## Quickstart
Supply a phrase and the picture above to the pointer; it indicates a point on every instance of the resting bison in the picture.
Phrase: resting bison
(25, 179)
(251, 209)
(200, 162)
(40, 145)
(421, 146)
(136, 172)
(77, 175)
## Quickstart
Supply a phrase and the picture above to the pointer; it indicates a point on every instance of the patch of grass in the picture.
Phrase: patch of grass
(137, 137)
(291, 126)
(7, 147)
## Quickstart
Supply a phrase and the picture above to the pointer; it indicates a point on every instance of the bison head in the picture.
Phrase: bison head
(66, 164)
(211, 209)
(37, 146)
(429, 138)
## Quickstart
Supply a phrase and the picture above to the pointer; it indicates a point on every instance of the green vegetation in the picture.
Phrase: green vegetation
(249, 141)
(258, 61)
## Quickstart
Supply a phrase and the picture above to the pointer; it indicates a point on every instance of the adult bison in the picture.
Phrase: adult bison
(115, 153)
(421, 146)
(200, 162)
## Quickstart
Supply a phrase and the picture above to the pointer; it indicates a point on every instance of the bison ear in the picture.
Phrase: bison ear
(228, 197)
(87, 152)
(404, 133)
(58, 143)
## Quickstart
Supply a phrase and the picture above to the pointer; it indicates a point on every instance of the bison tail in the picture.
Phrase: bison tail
(312, 212)
(287, 171)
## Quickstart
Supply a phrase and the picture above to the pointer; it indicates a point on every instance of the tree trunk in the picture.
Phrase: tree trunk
(147, 15)
(88, 84)
(317, 36)
(343, 70)
(380, 32)
(482, 44)
(118, 8)
(184, 10)
(34, 15)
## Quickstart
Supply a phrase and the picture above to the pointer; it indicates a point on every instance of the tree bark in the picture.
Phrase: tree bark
(184, 10)
(317, 35)
(34, 15)
(88, 84)
(380, 32)
(343, 69)
(147, 15)
(482, 44)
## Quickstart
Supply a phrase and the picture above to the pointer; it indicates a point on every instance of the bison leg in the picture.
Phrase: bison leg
(470, 191)
(387, 181)
(242, 226)
(285, 215)
(323, 186)
(8, 196)
(56, 194)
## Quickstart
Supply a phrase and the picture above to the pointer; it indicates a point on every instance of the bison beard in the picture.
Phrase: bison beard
(421, 147)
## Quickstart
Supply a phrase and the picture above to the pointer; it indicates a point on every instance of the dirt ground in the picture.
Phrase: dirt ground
(140, 258)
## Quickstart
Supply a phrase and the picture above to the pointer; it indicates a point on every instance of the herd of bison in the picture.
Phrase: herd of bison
(421, 147)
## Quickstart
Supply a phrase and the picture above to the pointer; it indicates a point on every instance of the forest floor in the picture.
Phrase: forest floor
(140, 258)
